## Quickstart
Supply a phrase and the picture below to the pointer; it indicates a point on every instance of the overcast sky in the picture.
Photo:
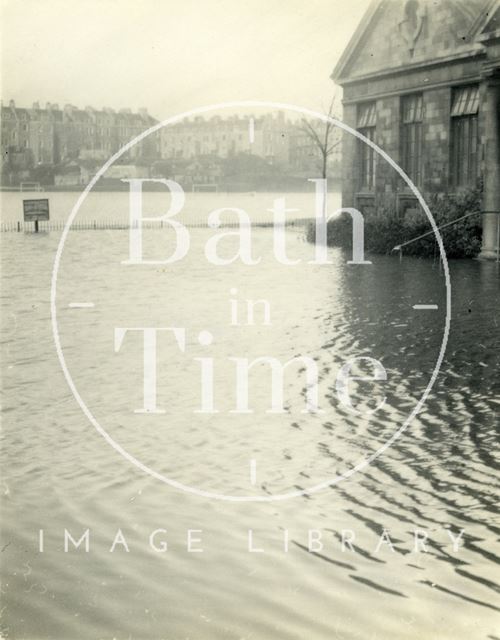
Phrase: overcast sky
(173, 56)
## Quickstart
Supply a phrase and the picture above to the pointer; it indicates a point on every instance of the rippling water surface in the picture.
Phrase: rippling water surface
(440, 477)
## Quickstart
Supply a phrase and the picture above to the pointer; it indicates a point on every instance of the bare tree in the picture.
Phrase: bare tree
(323, 138)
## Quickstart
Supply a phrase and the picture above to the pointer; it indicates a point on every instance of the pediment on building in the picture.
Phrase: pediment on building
(395, 34)
(487, 23)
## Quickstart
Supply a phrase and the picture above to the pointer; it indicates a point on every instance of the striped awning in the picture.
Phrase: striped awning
(367, 114)
(465, 101)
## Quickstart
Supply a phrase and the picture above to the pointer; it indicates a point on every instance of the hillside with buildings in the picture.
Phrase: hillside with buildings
(62, 148)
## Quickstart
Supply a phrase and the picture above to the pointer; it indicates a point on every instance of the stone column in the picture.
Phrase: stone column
(491, 198)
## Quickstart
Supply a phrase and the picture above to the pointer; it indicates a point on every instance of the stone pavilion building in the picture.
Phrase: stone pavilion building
(421, 78)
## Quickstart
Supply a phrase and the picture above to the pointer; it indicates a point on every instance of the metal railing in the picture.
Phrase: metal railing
(90, 225)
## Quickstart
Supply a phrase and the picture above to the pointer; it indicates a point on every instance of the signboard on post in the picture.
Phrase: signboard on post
(35, 210)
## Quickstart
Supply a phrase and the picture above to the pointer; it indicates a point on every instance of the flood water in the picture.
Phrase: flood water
(439, 477)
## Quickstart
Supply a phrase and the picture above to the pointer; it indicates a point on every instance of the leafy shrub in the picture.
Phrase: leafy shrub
(388, 230)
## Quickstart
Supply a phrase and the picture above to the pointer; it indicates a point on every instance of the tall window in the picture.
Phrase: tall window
(464, 109)
(411, 136)
(367, 119)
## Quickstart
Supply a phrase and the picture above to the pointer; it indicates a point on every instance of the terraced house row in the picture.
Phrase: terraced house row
(50, 135)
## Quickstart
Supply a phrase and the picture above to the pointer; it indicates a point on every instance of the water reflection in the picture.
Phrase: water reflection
(440, 478)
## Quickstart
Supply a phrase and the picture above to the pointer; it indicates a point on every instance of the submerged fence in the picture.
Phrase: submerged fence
(108, 225)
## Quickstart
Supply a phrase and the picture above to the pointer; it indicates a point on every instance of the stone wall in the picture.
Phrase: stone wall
(436, 135)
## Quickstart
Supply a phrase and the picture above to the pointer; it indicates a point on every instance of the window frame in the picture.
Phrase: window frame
(366, 124)
(464, 136)
(411, 136)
